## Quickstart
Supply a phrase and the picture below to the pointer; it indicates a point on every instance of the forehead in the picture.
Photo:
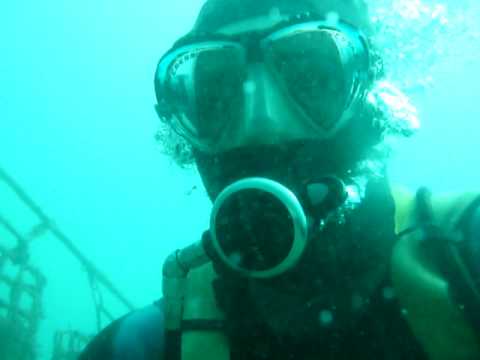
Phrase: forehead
(345, 11)
(253, 24)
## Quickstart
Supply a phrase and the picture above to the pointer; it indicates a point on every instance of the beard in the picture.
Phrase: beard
(345, 261)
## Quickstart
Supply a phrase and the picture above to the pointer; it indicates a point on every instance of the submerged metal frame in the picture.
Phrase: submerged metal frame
(19, 321)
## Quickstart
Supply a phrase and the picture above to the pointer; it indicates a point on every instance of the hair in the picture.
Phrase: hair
(217, 13)
(389, 112)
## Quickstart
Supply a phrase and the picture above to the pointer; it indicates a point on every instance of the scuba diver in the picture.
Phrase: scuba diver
(311, 253)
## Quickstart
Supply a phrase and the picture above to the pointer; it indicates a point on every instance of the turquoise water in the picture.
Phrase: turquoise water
(77, 132)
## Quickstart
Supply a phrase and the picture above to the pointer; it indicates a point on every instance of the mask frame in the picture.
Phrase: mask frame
(351, 45)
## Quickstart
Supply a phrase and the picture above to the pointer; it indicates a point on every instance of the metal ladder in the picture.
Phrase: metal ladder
(22, 285)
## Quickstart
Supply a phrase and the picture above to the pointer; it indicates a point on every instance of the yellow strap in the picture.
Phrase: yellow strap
(200, 304)
(433, 317)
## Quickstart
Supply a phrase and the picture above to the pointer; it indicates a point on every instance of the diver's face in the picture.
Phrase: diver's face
(271, 115)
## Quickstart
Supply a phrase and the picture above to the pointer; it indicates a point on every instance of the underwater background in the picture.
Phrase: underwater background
(77, 132)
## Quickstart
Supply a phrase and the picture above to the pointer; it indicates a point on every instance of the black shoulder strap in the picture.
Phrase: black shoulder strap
(173, 345)
(453, 255)
(173, 338)
(464, 276)
(424, 218)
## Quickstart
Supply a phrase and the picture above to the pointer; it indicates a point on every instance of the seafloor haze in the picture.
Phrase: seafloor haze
(77, 132)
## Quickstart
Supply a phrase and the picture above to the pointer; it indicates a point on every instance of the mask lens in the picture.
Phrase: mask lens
(311, 67)
(204, 85)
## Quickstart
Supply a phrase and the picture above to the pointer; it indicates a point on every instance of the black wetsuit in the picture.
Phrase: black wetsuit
(382, 334)
(140, 336)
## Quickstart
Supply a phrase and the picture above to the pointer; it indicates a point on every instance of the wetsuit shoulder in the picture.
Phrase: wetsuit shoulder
(139, 335)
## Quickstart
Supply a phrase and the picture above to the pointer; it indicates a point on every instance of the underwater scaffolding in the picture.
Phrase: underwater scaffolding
(22, 286)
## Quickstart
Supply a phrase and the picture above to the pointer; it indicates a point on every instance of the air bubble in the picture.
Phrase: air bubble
(325, 317)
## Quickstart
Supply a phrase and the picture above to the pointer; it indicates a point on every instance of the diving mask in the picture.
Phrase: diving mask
(322, 66)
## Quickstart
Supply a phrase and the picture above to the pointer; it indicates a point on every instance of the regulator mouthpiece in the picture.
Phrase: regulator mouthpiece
(258, 228)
